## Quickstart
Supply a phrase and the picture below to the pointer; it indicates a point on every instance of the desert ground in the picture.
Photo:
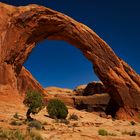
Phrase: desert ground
(85, 128)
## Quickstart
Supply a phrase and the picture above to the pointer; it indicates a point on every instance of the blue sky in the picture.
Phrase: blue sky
(57, 63)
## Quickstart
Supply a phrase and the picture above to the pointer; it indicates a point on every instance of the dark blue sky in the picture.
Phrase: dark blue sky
(56, 63)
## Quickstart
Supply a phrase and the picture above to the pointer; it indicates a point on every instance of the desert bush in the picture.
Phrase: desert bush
(16, 116)
(102, 132)
(15, 122)
(11, 135)
(73, 117)
(19, 135)
(130, 133)
(35, 124)
(57, 109)
(132, 123)
(34, 101)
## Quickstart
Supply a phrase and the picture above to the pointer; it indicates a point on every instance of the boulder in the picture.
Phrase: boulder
(94, 88)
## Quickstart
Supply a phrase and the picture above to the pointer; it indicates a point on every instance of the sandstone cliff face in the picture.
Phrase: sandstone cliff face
(22, 27)
(25, 82)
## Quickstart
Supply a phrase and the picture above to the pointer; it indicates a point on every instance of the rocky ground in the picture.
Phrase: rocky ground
(85, 128)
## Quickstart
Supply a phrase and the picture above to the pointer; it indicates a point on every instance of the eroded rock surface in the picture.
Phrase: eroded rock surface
(93, 103)
(57, 90)
(22, 27)
(94, 88)
(25, 82)
(79, 90)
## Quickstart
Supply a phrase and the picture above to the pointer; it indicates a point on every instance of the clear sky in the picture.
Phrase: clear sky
(56, 63)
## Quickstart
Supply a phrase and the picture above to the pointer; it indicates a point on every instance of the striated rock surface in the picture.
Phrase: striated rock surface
(57, 90)
(96, 102)
(79, 90)
(25, 82)
(22, 27)
(67, 99)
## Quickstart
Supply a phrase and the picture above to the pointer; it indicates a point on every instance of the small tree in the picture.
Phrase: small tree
(34, 101)
(57, 109)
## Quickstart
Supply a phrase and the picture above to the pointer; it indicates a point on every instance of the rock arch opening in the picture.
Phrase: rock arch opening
(59, 64)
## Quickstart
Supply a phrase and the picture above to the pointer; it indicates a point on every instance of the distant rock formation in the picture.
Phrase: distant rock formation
(90, 89)
(94, 88)
(96, 102)
(21, 28)
(57, 90)
(79, 90)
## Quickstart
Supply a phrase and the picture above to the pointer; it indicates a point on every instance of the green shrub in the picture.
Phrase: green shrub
(16, 116)
(102, 132)
(15, 122)
(34, 101)
(57, 109)
(19, 135)
(73, 117)
(35, 124)
(11, 135)
(132, 123)
(131, 133)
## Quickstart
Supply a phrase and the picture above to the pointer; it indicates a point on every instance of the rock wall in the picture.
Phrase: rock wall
(22, 27)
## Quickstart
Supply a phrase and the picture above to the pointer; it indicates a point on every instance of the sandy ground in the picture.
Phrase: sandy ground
(86, 128)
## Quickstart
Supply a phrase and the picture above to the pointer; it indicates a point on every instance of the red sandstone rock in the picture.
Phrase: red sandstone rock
(96, 102)
(94, 88)
(26, 81)
(22, 27)
(79, 90)
(57, 90)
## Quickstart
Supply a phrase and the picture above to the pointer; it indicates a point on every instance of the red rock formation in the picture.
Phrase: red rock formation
(57, 90)
(25, 82)
(79, 90)
(22, 27)
(96, 102)
(94, 88)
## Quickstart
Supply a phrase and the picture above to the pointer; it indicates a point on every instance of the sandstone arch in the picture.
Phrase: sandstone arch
(22, 27)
